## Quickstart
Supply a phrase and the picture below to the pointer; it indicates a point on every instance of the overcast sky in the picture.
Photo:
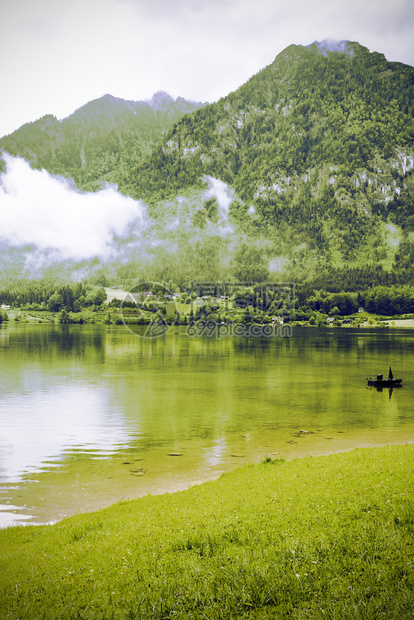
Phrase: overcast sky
(57, 55)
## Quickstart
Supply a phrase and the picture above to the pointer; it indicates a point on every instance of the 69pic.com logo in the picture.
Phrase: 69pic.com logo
(148, 310)
(238, 309)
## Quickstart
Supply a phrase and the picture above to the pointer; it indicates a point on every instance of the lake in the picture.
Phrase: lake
(90, 415)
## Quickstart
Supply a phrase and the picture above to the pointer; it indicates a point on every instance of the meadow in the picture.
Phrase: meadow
(319, 537)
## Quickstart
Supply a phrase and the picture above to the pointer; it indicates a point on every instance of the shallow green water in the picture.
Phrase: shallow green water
(93, 414)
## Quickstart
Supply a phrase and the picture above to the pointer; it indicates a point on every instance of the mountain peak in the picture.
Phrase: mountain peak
(160, 99)
(109, 97)
(333, 45)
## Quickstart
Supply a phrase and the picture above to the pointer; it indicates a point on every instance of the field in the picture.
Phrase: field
(325, 537)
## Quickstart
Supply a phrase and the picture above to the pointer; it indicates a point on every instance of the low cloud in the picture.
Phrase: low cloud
(40, 210)
(224, 196)
(47, 223)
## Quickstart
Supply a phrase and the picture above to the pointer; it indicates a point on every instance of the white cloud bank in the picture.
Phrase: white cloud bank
(37, 209)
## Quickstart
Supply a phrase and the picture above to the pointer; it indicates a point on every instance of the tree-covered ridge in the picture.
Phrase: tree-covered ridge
(321, 144)
(299, 113)
(304, 172)
(99, 142)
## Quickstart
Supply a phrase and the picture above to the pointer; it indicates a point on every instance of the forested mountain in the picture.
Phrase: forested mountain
(304, 172)
(320, 142)
(99, 142)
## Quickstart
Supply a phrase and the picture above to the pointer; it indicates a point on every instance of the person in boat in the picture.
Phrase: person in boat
(390, 376)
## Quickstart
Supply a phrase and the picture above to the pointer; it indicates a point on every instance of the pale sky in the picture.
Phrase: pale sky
(56, 55)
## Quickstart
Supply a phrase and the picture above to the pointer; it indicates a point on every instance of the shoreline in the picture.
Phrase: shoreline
(155, 488)
(96, 318)
(330, 535)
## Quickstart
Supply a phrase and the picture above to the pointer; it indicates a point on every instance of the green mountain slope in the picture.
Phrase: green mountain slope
(99, 142)
(320, 142)
(304, 172)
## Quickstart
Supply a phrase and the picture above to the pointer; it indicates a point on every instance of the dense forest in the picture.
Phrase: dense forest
(257, 303)
(304, 111)
(99, 142)
(321, 145)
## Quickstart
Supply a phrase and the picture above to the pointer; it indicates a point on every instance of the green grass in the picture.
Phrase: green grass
(326, 537)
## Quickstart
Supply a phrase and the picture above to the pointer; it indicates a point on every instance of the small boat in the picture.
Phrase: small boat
(379, 381)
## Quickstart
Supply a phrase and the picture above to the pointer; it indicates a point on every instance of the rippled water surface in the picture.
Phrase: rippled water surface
(93, 414)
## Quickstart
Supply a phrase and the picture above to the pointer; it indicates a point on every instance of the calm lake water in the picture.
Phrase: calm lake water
(90, 415)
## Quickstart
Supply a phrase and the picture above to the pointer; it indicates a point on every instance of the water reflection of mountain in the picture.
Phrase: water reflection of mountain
(68, 391)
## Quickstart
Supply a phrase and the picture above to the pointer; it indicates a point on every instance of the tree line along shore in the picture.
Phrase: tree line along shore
(254, 304)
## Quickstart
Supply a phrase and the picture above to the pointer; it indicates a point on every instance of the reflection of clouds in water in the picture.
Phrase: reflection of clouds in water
(214, 455)
(8, 519)
(44, 426)
(4, 338)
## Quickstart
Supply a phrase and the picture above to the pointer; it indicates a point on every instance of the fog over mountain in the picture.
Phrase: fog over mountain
(51, 215)
(305, 169)
(48, 221)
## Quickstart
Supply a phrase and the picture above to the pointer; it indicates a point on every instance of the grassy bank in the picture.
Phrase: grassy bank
(325, 537)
